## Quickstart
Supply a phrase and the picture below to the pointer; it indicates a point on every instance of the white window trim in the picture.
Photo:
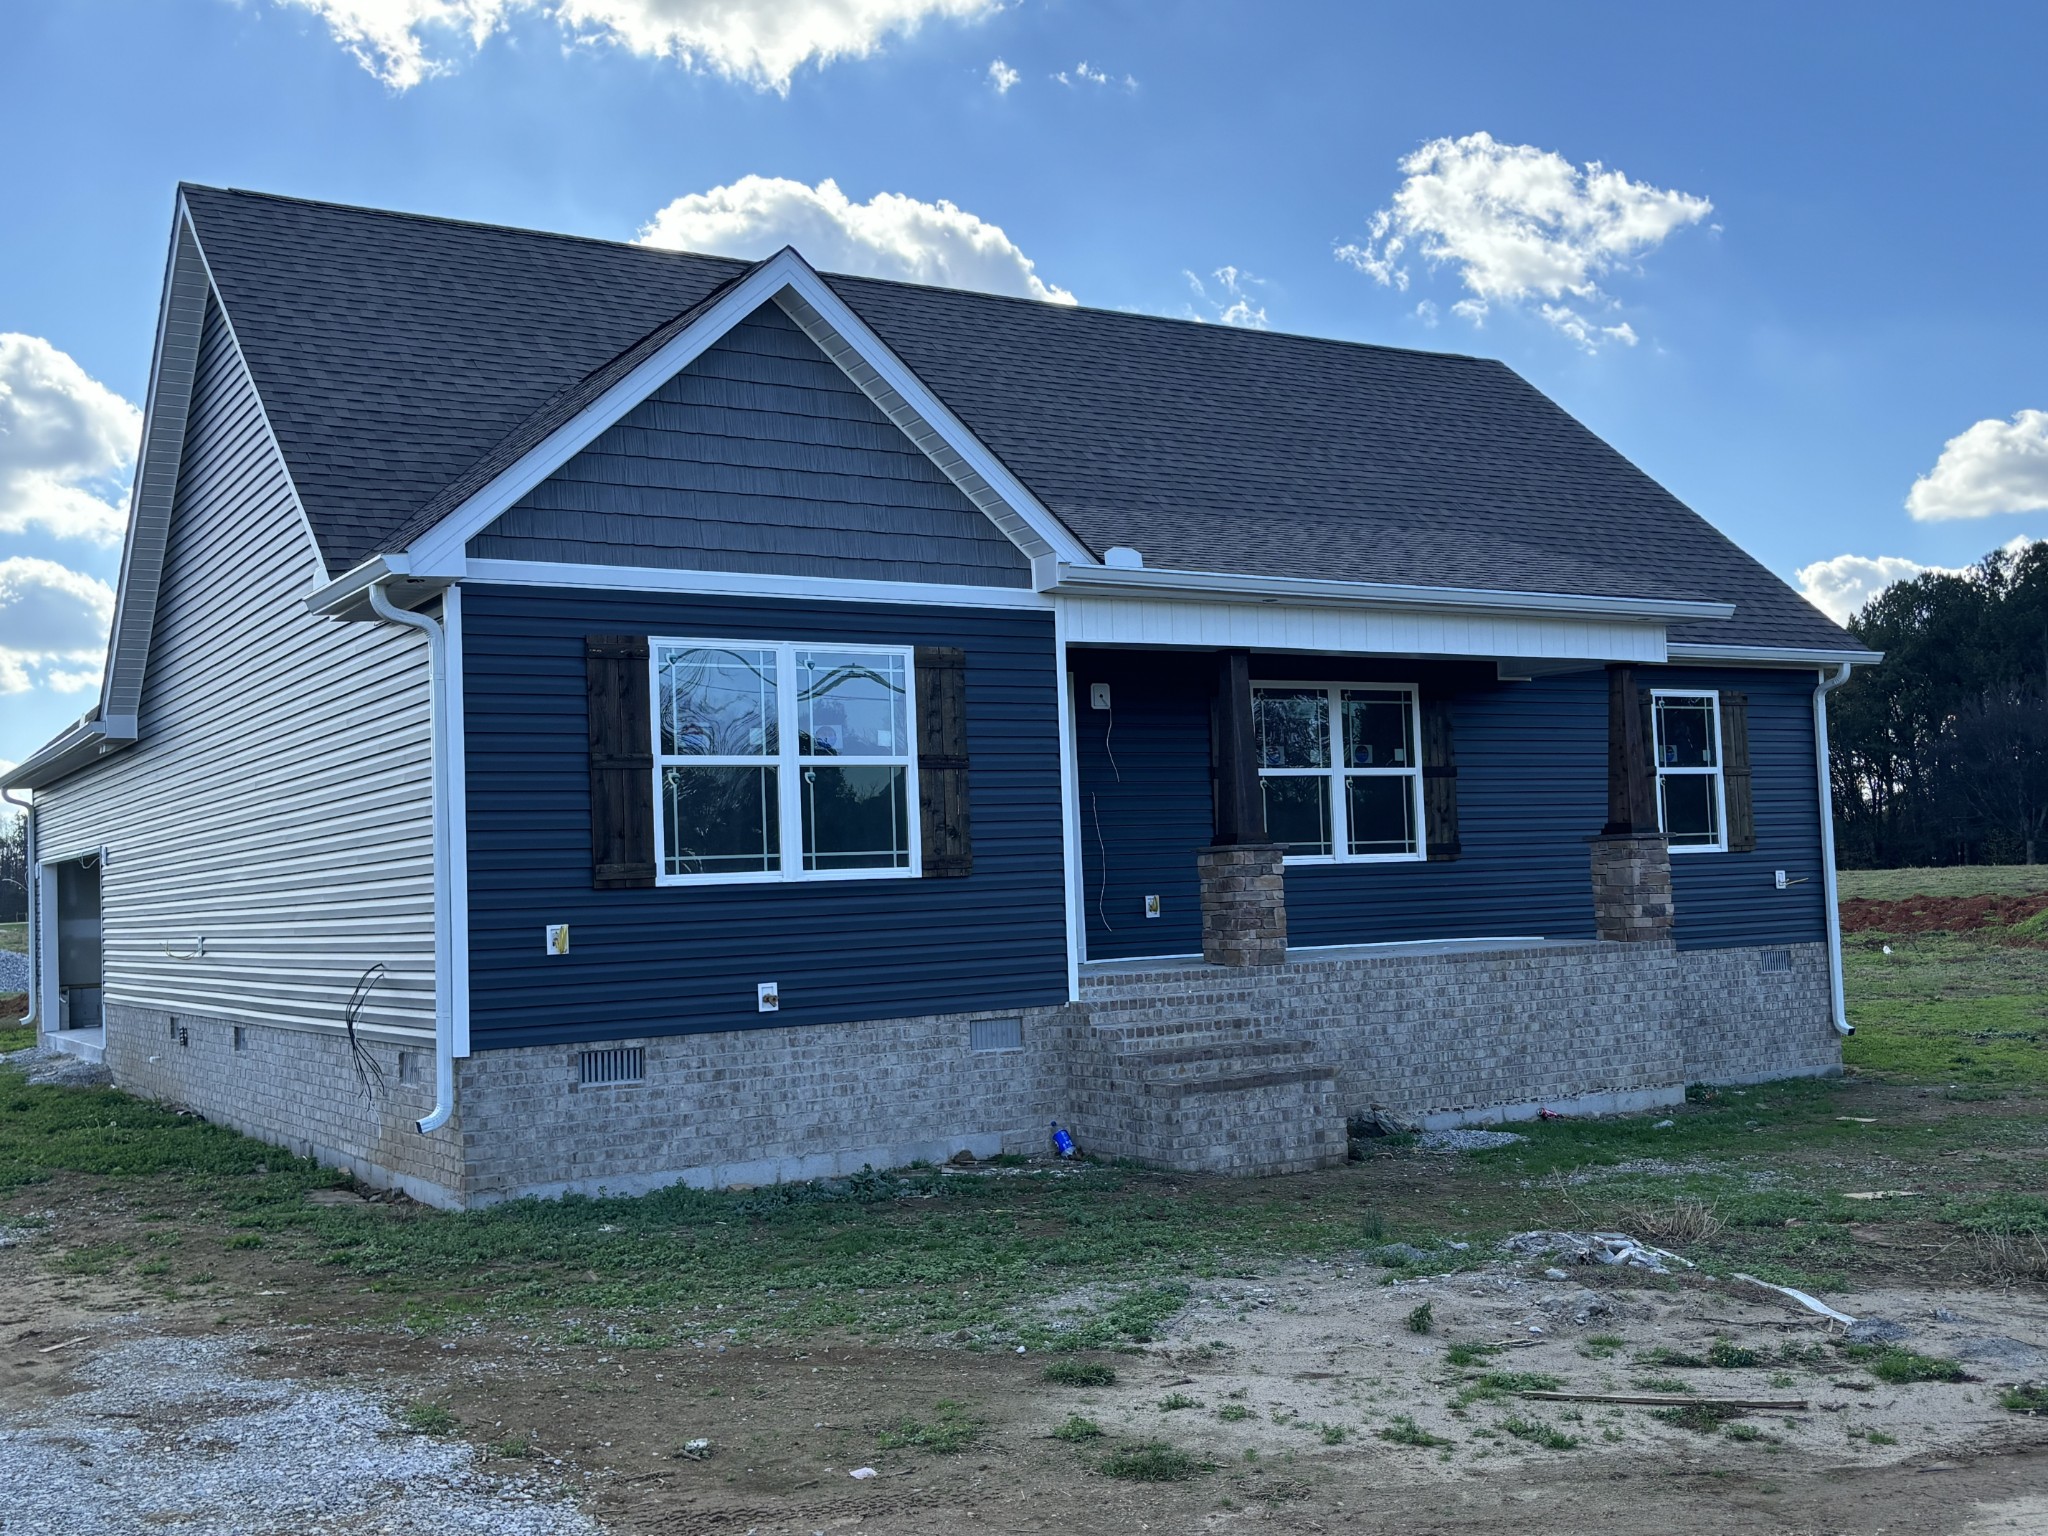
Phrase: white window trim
(788, 763)
(1340, 811)
(1713, 697)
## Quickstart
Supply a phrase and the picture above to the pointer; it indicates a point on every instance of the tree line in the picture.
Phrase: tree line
(1941, 754)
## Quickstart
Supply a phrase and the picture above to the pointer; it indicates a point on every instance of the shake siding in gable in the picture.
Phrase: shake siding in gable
(277, 804)
(761, 456)
(684, 959)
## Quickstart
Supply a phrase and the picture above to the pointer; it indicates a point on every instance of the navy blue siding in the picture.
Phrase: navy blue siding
(1730, 899)
(681, 960)
(760, 456)
(1532, 790)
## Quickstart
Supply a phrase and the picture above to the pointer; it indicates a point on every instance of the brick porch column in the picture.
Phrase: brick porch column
(1632, 887)
(1244, 905)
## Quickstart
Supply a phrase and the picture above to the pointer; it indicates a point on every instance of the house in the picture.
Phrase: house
(583, 716)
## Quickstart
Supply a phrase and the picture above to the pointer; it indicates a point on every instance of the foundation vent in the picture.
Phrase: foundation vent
(995, 1034)
(1779, 960)
(618, 1064)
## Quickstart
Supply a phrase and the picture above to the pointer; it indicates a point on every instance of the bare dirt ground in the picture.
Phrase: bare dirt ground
(120, 1412)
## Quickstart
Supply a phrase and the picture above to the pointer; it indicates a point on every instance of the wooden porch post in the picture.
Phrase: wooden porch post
(1240, 808)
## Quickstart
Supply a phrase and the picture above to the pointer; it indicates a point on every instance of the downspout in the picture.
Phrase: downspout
(1827, 843)
(30, 883)
(444, 917)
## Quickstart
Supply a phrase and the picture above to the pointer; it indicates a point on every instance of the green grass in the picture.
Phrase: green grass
(1962, 880)
(1233, 1413)
(1537, 1432)
(1403, 1430)
(1422, 1319)
(14, 936)
(949, 1431)
(1700, 1418)
(1080, 1373)
(1470, 1354)
(15, 1037)
(1901, 1367)
(1077, 1428)
(1153, 1461)
(428, 1419)
(1174, 1402)
(1949, 1008)
(2031, 1397)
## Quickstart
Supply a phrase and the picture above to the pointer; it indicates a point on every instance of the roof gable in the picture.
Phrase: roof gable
(760, 455)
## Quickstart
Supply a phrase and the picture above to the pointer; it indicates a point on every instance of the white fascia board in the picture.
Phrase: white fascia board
(641, 578)
(1773, 656)
(1143, 582)
(441, 550)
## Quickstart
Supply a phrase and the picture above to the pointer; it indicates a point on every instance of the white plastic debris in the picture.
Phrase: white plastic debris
(1594, 1248)
(1663, 1125)
(1803, 1299)
(862, 1474)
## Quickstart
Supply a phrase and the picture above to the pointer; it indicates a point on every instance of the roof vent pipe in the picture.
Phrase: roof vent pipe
(1827, 845)
(444, 914)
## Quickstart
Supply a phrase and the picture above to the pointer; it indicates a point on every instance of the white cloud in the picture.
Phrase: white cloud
(1474, 310)
(1234, 305)
(1520, 223)
(53, 626)
(1995, 466)
(1002, 77)
(1426, 312)
(887, 236)
(1841, 586)
(760, 42)
(1085, 73)
(67, 443)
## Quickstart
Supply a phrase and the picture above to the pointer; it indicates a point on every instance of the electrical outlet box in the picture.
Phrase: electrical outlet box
(1098, 695)
(1782, 881)
(558, 938)
(1152, 907)
(768, 997)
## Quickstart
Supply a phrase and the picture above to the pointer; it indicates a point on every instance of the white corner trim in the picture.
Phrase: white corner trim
(1070, 809)
(458, 839)
(642, 578)
(440, 548)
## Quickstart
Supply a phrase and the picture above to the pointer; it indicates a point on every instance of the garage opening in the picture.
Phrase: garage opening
(80, 975)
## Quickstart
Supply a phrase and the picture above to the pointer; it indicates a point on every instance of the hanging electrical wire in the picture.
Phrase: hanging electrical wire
(369, 1071)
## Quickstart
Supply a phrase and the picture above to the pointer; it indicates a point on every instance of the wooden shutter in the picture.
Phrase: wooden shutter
(621, 762)
(943, 823)
(1735, 773)
(1439, 781)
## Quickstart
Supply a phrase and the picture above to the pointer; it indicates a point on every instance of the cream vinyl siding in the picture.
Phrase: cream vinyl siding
(277, 804)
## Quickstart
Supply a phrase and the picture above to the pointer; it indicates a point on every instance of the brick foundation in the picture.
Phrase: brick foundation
(1244, 905)
(1632, 888)
(1226, 1069)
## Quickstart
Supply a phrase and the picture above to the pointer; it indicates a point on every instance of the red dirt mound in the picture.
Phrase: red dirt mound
(1938, 914)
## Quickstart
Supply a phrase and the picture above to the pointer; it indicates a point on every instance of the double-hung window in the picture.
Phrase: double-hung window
(1692, 805)
(782, 762)
(1339, 769)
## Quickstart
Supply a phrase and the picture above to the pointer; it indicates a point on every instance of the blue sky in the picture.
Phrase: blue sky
(1804, 286)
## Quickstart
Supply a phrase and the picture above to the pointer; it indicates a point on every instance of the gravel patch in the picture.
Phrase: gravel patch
(171, 1437)
(1465, 1141)
(13, 971)
(47, 1066)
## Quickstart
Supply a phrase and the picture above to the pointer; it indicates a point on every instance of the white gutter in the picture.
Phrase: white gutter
(1145, 581)
(1827, 843)
(1768, 655)
(444, 911)
(29, 883)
